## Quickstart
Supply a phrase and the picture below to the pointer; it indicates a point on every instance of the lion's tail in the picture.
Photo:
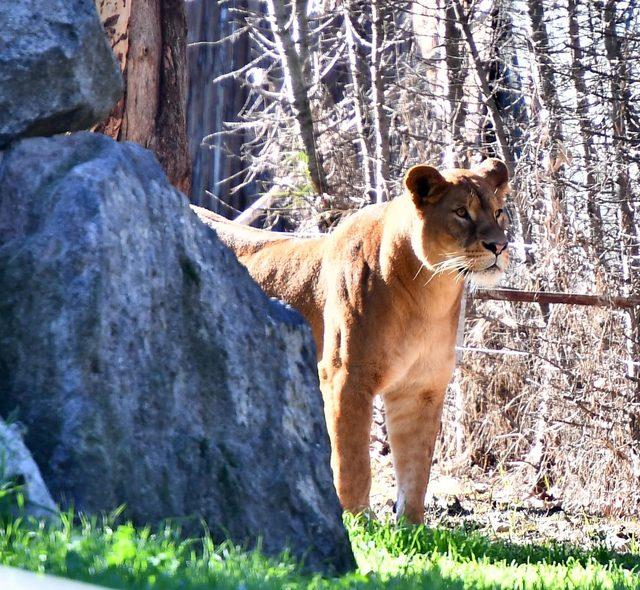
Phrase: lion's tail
(242, 239)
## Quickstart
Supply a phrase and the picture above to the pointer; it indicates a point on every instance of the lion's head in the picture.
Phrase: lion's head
(462, 220)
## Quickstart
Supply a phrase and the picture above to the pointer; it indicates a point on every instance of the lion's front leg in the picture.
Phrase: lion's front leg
(413, 422)
(348, 408)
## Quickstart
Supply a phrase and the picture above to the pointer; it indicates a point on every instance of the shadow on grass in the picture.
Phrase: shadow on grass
(464, 545)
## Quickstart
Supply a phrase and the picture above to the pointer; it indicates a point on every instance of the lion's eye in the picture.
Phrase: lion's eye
(499, 213)
(462, 212)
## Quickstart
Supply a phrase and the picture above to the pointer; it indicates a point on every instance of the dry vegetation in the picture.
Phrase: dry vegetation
(558, 418)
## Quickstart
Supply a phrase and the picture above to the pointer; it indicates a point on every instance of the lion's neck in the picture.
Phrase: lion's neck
(437, 294)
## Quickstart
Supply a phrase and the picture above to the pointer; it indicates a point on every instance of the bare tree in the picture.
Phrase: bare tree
(380, 124)
(295, 84)
(584, 120)
(457, 73)
(615, 43)
(359, 105)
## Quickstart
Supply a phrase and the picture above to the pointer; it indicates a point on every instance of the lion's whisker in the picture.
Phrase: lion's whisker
(454, 262)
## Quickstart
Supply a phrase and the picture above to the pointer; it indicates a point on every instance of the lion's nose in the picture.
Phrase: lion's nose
(496, 247)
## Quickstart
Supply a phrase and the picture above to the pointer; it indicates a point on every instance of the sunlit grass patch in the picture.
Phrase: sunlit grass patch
(388, 555)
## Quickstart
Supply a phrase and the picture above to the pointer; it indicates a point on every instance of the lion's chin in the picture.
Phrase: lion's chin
(489, 277)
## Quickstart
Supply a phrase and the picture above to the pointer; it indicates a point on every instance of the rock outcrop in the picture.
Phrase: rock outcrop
(57, 70)
(146, 365)
(16, 463)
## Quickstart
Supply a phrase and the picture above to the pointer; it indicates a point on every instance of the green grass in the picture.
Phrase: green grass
(389, 556)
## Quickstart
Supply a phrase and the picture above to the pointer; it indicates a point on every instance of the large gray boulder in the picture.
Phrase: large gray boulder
(146, 365)
(57, 70)
(17, 464)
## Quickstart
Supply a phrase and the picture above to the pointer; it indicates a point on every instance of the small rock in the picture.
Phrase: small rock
(455, 508)
(501, 527)
(618, 543)
(16, 462)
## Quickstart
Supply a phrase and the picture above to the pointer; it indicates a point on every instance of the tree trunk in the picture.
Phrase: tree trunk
(149, 38)
(630, 235)
(210, 105)
(296, 89)
(457, 73)
(586, 130)
(364, 152)
(483, 79)
(380, 118)
(548, 85)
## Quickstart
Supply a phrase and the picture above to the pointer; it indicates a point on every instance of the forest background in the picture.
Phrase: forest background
(298, 113)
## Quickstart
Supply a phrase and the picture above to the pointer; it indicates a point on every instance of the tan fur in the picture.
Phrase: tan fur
(383, 300)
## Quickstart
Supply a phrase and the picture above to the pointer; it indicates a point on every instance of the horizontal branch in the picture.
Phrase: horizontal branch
(251, 213)
(549, 297)
(504, 352)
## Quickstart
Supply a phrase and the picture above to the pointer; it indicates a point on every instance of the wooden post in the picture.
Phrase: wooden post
(458, 393)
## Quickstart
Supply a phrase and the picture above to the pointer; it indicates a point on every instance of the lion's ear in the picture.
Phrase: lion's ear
(425, 184)
(495, 172)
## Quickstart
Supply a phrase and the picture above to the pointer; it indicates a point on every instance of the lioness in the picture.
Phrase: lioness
(382, 295)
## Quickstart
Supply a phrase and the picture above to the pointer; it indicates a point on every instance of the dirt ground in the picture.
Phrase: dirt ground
(494, 507)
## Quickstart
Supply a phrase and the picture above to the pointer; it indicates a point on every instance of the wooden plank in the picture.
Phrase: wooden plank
(15, 579)
(552, 297)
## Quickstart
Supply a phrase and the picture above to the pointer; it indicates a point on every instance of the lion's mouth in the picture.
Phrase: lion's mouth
(487, 277)
(480, 277)
(489, 269)
(466, 271)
